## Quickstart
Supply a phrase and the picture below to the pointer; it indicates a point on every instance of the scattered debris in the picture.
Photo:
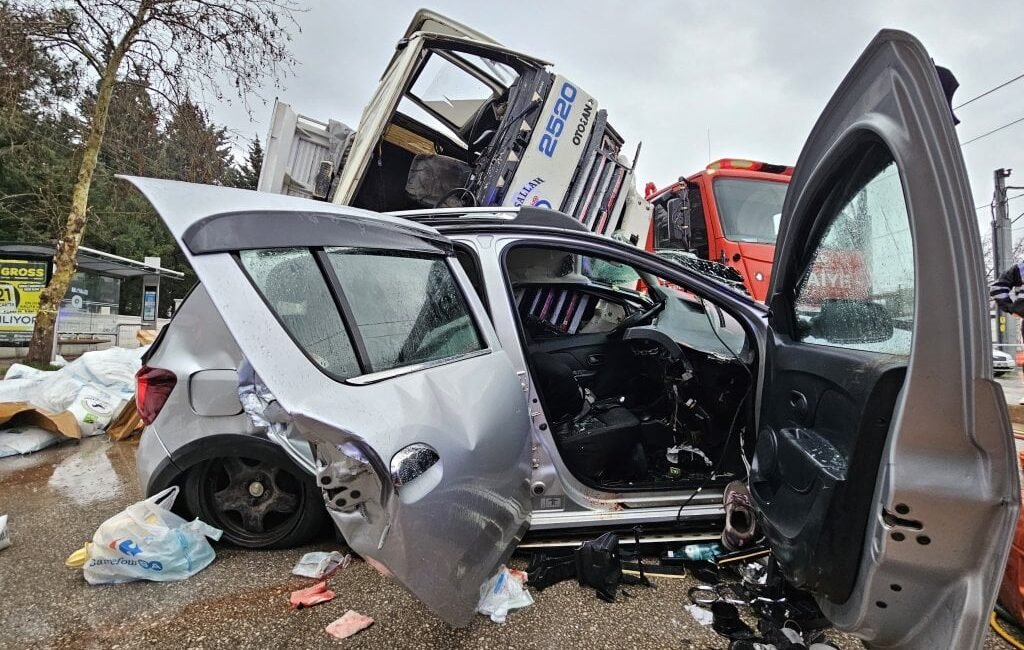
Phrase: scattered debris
(318, 593)
(700, 614)
(25, 440)
(127, 423)
(693, 552)
(740, 524)
(598, 565)
(672, 454)
(503, 593)
(727, 622)
(350, 623)
(320, 564)
(81, 399)
(5, 538)
(78, 559)
(146, 541)
(750, 579)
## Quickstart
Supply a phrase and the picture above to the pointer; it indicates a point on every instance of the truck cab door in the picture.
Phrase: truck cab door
(378, 351)
(884, 467)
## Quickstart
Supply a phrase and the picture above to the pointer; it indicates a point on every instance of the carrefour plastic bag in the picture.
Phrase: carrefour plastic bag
(5, 539)
(503, 593)
(146, 541)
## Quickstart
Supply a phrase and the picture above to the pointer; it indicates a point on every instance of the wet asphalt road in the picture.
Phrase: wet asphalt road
(56, 499)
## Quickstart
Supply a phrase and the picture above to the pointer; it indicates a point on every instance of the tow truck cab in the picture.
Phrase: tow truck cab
(458, 120)
(728, 213)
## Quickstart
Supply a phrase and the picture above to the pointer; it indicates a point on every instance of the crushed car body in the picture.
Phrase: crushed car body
(463, 381)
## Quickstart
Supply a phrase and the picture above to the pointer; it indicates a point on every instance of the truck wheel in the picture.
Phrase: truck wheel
(259, 498)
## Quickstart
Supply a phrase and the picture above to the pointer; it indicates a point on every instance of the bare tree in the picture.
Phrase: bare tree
(1017, 253)
(177, 47)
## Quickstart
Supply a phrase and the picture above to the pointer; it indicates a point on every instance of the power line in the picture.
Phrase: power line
(985, 135)
(989, 205)
(989, 92)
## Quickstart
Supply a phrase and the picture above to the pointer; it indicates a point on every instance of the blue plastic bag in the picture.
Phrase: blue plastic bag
(146, 541)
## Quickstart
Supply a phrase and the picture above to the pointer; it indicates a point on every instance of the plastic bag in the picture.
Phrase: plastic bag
(146, 541)
(319, 564)
(94, 407)
(5, 539)
(503, 593)
(25, 440)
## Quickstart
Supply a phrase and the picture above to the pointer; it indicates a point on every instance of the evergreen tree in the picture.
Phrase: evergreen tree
(195, 150)
(248, 176)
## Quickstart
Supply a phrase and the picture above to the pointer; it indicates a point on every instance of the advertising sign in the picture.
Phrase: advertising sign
(21, 283)
(149, 304)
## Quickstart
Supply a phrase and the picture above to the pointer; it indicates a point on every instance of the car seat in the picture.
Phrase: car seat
(597, 441)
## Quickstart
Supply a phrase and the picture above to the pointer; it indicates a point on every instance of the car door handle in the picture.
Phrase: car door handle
(595, 359)
(798, 402)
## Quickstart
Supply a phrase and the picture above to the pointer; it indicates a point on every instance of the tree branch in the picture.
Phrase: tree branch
(99, 25)
(130, 82)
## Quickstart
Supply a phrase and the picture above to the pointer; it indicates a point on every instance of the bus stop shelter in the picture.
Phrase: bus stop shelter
(89, 312)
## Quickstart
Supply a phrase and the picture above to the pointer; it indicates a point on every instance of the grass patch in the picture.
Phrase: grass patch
(40, 366)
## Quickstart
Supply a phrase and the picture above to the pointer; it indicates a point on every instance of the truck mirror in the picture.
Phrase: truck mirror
(679, 222)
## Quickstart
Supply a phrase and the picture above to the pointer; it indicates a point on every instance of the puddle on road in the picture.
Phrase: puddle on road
(88, 477)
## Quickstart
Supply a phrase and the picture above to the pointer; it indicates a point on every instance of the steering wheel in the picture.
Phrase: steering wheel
(638, 318)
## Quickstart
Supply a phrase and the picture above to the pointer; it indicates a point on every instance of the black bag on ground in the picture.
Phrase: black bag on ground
(598, 565)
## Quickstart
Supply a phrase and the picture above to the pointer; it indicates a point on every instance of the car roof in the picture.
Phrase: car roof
(441, 218)
(539, 221)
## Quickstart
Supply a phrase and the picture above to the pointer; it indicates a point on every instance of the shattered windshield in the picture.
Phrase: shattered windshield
(750, 210)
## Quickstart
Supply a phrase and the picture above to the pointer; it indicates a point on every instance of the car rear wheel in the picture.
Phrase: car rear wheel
(259, 498)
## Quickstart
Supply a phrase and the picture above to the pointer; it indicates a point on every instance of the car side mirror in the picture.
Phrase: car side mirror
(679, 222)
(852, 321)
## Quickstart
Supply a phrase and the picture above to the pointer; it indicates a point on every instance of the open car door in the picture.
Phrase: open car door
(368, 333)
(884, 468)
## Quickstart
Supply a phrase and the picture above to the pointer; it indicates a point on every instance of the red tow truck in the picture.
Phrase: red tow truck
(727, 213)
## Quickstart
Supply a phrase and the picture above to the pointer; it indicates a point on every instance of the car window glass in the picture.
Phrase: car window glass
(407, 309)
(453, 93)
(859, 289)
(296, 291)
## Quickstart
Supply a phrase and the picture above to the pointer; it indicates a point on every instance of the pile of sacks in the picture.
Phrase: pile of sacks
(93, 394)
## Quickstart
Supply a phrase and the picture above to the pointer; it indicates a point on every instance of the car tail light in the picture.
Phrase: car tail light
(152, 387)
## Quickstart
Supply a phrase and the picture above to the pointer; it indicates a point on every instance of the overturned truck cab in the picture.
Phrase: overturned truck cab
(458, 120)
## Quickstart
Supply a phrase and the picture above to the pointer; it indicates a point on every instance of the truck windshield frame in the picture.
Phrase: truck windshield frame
(451, 61)
(749, 209)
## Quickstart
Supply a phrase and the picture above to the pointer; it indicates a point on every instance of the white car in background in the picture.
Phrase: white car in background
(1002, 363)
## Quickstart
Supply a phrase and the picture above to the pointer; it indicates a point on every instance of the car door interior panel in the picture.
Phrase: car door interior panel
(813, 467)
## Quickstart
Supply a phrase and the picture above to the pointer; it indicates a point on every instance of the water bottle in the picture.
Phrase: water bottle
(707, 551)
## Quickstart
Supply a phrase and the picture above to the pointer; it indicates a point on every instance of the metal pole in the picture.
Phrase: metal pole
(1002, 243)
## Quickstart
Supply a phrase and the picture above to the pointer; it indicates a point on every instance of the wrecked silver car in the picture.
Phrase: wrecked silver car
(463, 383)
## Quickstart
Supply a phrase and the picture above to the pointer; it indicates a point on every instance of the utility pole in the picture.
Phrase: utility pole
(1002, 244)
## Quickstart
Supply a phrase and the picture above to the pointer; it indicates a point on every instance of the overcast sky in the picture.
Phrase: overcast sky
(753, 75)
